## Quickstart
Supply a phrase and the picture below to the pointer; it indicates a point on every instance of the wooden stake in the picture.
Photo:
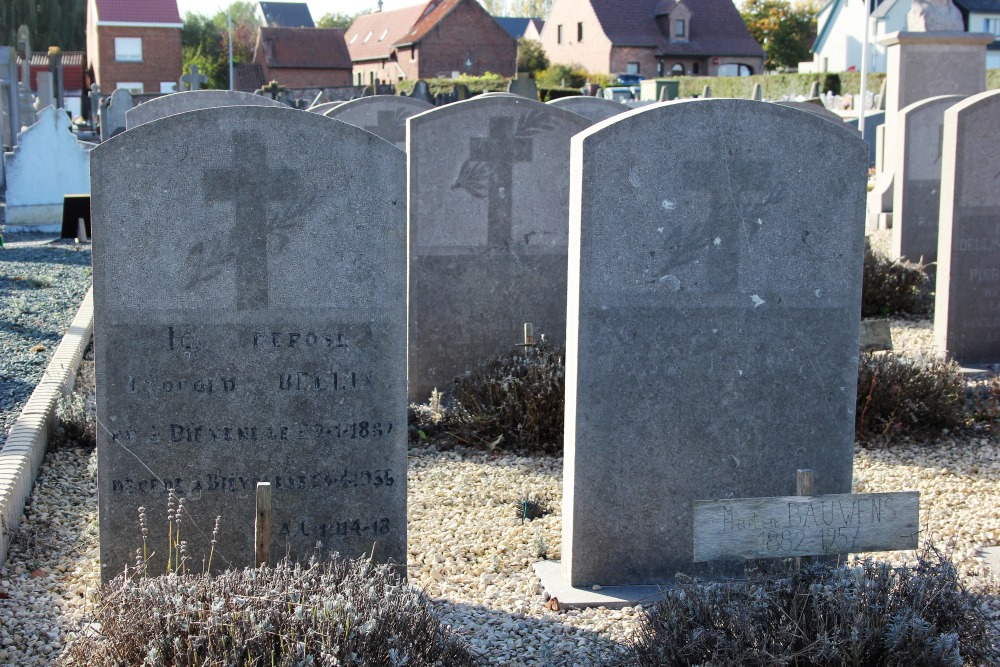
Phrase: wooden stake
(529, 334)
(805, 485)
(262, 527)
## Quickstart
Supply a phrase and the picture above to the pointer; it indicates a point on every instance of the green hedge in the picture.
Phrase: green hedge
(489, 83)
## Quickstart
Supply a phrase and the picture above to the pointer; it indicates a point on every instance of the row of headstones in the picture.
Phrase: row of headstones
(703, 260)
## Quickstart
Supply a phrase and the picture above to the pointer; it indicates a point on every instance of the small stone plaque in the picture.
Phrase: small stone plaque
(784, 527)
(876, 336)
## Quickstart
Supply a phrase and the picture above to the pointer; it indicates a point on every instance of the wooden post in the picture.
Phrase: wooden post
(262, 527)
(805, 485)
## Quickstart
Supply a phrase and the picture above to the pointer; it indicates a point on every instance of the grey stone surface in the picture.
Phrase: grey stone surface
(251, 326)
(873, 121)
(524, 85)
(382, 115)
(917, 192)
(113, 113)
(816, 110)
(168, 105)
(934, 15)
(712, 324)
(488, 197)
(596, 109)
(421, 91)
(43, 81)
(967, 305)
(323, 107)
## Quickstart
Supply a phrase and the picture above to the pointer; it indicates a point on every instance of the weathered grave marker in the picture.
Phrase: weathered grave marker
(112, 113)
(192, 81)
(168, 105)
(259, 336)
(488, 201)
(876, 336)
(382, 115)
(713, 321)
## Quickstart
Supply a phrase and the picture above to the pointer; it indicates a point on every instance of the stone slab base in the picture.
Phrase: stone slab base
(610, 597)
(23, 451)
(34, 216)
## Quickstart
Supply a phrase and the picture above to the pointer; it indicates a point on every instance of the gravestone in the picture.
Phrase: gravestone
(47, 164)
(44, 97)
(323, 107)
(873, 121)
(76, 208)
(113, 113)
(95, 103)
(595, 109)
(461, 92)
(382, 115)
(917, 191)
(524, 85)
(757, 93)
(967, 302)
(421, 91)
(168, 105)
(813, 90)
(706, 92)
(192, 81)
(258, 336)
(26, 111)
(488, 197)
(815, 109)
(9, 107)
(713, 324)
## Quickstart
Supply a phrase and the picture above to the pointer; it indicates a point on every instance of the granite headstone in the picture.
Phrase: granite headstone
(488, 197)
(713, 322)
(259, 335)
(382, 115)
(595, 109)
(168, 105)
(421, 91)
(967, 302)
(524, 85)
(113, 113)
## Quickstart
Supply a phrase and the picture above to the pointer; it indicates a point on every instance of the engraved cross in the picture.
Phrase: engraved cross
(501, 150)
(249, 187)
(388, 127)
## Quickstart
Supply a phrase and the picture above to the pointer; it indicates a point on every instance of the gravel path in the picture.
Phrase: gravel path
(467, 547)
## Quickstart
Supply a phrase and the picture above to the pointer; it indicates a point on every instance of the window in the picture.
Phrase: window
(579, 32)
(677, 70)
(384, 33)
(631, 68)
(133, 87)
(353, 39)
(168, 86)
(128, 49)
(694, 68)
(367, 37)
(679, 28)
(733, 69)
(558, 34)
(991, 25)
(413, 54)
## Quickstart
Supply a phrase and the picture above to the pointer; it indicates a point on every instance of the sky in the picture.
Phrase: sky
(317, 8)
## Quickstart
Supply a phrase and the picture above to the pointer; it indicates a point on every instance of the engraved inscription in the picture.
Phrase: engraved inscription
(345, 528)
(229, 483)
(211, 433)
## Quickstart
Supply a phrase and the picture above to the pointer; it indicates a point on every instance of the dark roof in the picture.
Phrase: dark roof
(716, 27)
(287, 14)
(138, 11)
(979, 6)
(372, 36)
(248, 77)
(514, 25)
(320, 48)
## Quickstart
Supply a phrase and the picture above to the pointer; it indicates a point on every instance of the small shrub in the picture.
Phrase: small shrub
(530, 55)
(343, 612)
(984, 401)
(76, 425)
(870, 614)
(562, 76)
(831, 84)
(893, 287)
(896, 392)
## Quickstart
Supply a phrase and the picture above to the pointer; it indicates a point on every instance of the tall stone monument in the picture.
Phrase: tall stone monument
(259, 335)
(713, 318)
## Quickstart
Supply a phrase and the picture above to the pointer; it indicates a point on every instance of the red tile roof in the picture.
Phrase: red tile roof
(716, 28)
(321, 48)
(372, 36)
(138, 11)
(248, 77)
(434, 11)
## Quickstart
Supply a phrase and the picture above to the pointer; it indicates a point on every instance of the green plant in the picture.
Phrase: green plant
(900, 393)
(891, 287)
(562, 76)
(341, 612)
(40, 281)
(76, 426)
(831, 84)
(870, 614)
(530, 56)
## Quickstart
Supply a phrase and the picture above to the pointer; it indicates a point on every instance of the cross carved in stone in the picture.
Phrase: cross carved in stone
(388, 127)
(250, 186)
(500, 151)
(194, 79)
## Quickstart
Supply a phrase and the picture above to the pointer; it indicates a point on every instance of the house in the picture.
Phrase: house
(439, 38)
(73, 77)
(284, 15)
(303, 57)
(134, 44)
(518, 27)
(651, 37)
(841, 27)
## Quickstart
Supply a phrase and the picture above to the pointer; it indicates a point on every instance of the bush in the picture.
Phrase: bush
(898, 393)
(562, 76)
(530, 56)
(76, 425)
(870, 614)
(891, 287)
(509, 402)
(831, 84)
(339, 613)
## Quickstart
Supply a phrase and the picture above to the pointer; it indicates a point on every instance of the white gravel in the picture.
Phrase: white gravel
(469, 550)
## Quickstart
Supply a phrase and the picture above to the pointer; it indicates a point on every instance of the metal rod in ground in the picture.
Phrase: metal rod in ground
(529, 335)
(805, 485)
(262, 526)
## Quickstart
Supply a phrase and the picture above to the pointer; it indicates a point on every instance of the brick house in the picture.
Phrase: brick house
(439, 38)
(303, 57)
(651, 37)
(134, 44)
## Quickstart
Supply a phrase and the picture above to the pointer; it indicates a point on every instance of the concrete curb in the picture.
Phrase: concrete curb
(22, 453)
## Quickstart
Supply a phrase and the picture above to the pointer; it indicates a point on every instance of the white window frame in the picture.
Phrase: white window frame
(680, 28)
(632, 68)
(134, 87)
(126, 50)
(992, 25)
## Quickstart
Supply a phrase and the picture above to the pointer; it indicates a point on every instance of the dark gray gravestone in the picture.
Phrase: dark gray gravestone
(489, 190)
(967, 303)
(917, 194)
(713, 321)
(595, 109)
(168, 105)
(523, 84)
(421, 91)
(259, 335)
(382, 115)
(112, 114)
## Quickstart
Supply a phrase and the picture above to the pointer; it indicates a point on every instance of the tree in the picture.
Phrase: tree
(785, 31)
(537, 8)
(531, 56)
(205, 41)
(50, 23)
(339, 19)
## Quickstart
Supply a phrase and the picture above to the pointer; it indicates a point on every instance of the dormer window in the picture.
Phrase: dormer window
(680, 28)
(367, 37)
(353, 39)
(384, 33)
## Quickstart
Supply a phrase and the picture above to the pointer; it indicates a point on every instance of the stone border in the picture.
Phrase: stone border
(22, 453)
